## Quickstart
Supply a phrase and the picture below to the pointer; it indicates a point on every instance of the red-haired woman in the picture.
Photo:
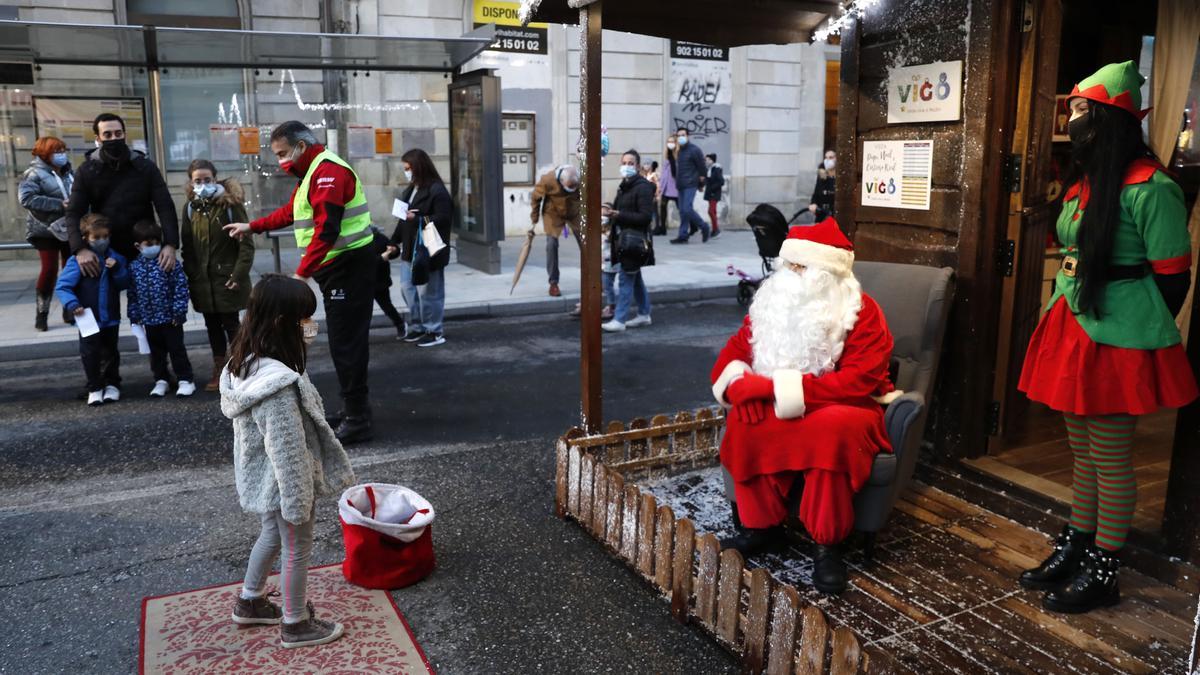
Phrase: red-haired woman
(44, 191)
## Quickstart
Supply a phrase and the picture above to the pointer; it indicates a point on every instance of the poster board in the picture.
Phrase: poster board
(701, 98)
(897, 174)
(930, 92)
(361, 140)
(70, 119)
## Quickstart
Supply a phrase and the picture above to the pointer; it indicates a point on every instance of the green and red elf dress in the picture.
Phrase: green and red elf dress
(1127, 357)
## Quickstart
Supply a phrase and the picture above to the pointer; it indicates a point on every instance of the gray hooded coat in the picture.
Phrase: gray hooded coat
(284, 453)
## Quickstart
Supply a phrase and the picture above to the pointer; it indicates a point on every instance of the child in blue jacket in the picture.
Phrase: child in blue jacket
(102, 295)
(158, 300)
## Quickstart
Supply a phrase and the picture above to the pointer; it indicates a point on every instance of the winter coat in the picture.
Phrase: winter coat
(285, 454)
(432, 201)
(635, 206)
(554, 205)
(689, 166)
(133, 191)
(823, 194)
(42, 194)
(100, 294)
(156, 298)
(666, 181)
(210, 256)
(714, 183)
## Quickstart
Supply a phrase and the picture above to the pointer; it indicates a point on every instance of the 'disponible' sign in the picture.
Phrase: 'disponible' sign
(930, 92)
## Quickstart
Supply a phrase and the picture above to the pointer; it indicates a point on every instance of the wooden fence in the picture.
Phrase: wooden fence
(752, 614)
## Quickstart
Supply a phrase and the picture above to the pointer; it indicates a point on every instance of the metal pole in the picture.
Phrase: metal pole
(160, 151)
(591, 358)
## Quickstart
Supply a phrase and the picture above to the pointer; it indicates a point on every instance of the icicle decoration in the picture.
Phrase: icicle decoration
(300, 103)
(852, 12)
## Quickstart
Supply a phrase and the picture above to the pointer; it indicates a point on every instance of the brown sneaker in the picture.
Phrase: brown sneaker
(554, 292)
(257, 611)
(607, 313)
(214, 383)
(310, 632)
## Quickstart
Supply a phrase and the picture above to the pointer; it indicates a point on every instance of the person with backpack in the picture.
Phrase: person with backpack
(217, 265)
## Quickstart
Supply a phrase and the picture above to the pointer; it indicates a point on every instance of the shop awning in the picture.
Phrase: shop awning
(716, 22)
(147, 46)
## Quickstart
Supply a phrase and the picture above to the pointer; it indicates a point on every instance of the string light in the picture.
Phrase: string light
(300, 103)
(850, 13)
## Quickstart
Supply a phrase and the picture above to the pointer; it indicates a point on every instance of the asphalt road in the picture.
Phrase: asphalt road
(102, 507)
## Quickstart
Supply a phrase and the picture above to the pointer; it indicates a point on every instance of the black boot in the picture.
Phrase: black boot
(829, 570)
(1069, 548)
(354, 429)
(1093, 586)
(749, 541)
(43, 312)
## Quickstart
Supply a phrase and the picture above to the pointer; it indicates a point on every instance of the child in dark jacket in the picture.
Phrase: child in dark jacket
(158, 300)
(101, 295)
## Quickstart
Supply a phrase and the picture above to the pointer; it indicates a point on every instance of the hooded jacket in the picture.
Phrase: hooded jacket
(43, 195)
(101, 294)
(285, 454)
(212, 258)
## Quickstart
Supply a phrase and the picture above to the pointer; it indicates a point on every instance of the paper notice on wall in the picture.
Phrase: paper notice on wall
(897, 174)
(926, 93)
(361, 139)
(383, 141)
(224, 142)
(248, 142)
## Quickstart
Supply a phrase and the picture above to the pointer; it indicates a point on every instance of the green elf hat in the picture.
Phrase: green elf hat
(1117, 84)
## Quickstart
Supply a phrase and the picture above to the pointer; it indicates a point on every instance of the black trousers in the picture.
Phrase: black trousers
(383, 297)
(166, 341)
(348, 291)
(221, 327)
(101, 360)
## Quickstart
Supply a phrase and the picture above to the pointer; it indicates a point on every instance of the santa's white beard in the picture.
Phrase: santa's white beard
(799, 320)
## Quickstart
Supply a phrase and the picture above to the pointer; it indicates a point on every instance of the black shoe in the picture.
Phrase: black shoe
(749, 541)
(1092, 587)
(354, 430)
(413, 336)
(40, 322)
(401, 330)
(704, 236)
(432, 340)
(1069, 548)
(679, 241)
(829, 570)
(335, 419)
(658, 232)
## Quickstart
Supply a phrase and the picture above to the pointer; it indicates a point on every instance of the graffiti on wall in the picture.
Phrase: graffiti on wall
(701, 102)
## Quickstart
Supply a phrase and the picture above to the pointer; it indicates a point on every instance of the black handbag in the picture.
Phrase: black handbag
(421, 263)
(633, 248)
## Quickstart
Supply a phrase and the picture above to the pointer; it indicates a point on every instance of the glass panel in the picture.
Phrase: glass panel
(67, 43)
(466, 162)
(192, 100)
(184, 7)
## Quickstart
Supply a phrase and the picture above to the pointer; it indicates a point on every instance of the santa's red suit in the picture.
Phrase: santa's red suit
(804, 379)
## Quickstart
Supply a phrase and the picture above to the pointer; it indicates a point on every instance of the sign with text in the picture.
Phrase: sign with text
(511, 36)
(701, 98)
(931, 92)
(696, 50)
(897, 174)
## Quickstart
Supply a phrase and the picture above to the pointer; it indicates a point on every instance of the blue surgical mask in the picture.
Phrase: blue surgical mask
(60, 159)
(206, 190)
(683, 140)
(151, 251)
(628, 171)
(100, 246)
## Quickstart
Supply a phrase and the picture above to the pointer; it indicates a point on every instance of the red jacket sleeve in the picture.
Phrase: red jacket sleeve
(734, 360)
(277, 219)
(862, 371)
(332, 186)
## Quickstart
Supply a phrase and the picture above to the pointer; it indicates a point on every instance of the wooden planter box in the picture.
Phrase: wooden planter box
(748, 611)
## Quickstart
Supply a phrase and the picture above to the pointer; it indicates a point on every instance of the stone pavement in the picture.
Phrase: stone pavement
(693, 271)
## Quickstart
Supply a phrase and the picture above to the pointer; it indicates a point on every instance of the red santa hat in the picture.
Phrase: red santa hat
(822, 245)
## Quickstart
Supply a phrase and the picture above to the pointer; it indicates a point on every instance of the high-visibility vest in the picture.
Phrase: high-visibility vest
(356, 219)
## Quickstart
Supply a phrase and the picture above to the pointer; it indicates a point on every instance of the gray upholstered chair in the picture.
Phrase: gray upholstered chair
(916, 303)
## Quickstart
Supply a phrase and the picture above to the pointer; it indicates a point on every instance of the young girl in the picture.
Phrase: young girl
(285, 454)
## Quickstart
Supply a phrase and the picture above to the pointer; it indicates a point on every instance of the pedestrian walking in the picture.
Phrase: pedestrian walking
(99, 295)
(333, 227)
(555, 202)
(714, 183)
(158, 302)
(822, 201)
(125, 186)
(667, 191)
(632, 245)
(383, 282)
(217, 265)
(428, 202)
(285, 455)
(44, 190)
(689, 169)
(650, 173)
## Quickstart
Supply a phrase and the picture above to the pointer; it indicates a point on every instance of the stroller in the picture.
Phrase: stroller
(770, 229)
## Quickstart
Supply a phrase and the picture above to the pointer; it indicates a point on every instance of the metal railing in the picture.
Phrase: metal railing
(274, 236)
(15, 246)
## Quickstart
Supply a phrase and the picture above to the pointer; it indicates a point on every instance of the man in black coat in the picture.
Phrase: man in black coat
(690, 168)
(125, 186)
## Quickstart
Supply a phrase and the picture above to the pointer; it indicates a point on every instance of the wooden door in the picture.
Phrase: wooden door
(1031, 213)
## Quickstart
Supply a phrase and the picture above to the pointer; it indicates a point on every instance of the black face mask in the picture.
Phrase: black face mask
(114, 150)
(1079, 130)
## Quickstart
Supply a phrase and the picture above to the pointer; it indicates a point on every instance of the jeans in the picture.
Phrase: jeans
(166, 341)
(552, 254)
(609, 279)
(221, 327)
(348, 292)
(632, 287)
(426, 304)
(101, 360)
(296, 544)
(688, 218)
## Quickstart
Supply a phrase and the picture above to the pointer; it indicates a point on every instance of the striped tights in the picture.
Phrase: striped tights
(1103, 484)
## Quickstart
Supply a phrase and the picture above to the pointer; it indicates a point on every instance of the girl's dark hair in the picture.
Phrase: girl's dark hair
(424, 172)
(637, 157)
(201, 164)
(1112, 141)
(271, 328)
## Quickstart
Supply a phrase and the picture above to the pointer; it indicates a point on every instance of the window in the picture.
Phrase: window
(184, 13)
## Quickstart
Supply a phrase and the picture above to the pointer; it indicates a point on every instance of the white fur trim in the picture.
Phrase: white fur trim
(811, 254)
(733, 371)
(789, 393)
(886, 399)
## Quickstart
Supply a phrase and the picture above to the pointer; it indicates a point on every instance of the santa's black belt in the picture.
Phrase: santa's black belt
(1070, 267)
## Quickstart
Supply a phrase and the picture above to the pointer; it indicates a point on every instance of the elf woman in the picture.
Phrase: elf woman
(1107, 349)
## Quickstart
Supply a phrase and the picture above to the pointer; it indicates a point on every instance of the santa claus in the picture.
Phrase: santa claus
(803, 382)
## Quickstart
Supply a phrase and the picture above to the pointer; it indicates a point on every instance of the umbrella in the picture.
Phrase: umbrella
(524, 256)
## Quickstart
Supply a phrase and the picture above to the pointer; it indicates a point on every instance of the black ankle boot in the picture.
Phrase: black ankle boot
(1093, 586)
(1069, 548)
(749, 541)
(829, 570)
(354, 429)
(43, 312)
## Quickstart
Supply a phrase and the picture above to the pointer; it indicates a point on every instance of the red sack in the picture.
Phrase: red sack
(381, 554)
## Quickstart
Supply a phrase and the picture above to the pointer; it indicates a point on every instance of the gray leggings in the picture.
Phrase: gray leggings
(552, 254)
(296, 544)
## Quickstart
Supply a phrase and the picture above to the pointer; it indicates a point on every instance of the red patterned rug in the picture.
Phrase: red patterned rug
(191, 632)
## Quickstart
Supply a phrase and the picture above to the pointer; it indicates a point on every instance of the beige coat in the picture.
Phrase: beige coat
(555, 206)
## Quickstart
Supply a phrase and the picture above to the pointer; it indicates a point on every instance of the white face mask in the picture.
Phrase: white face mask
(670, 146)
(408, 175)
(830, 163)
(683, 140)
